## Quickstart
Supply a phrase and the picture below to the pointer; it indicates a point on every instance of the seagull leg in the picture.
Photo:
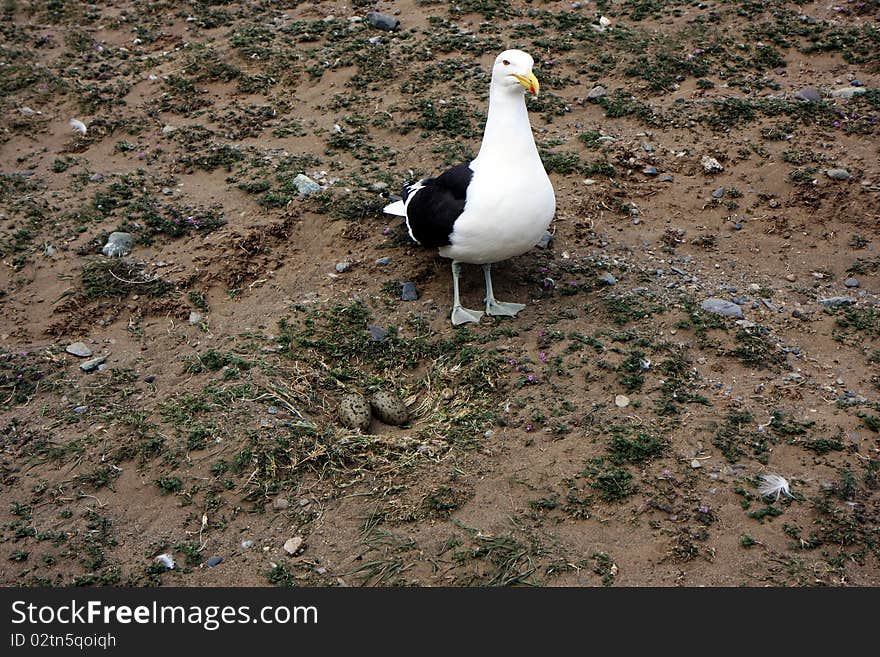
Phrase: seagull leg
(461, 315)
(494, 307)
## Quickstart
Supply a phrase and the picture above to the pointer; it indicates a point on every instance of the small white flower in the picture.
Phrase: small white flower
(79, 126)
(774, 484)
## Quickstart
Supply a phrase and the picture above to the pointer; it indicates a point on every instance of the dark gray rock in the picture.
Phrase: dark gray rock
(377, 333)
(545, 240)
(214, 561)
(79, 410)
(149, 378)
(721, 307)
(650, 171)
(665, 178)
(342, 267)
(383, 21)
(386, 260)
(718, 193)
(809, 94)
(597, 92)
(409, 292)
(852, 282)
(837, 302)
(92, 364)
(118, 244)
(838, 174)
(608, 279)
(79, 349)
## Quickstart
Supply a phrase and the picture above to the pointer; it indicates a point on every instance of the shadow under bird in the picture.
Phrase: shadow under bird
(498, 205)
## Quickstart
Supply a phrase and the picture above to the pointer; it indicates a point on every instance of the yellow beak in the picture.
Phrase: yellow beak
(529, 81)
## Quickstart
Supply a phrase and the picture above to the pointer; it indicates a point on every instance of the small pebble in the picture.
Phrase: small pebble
(722, 307)
(214, 561)
(718, 193)
(118, 244)
(246, 545)
(852, 282)
(195, 317)
(650, 171)
(696, 464)
(382, 21)
(838, 174)
(292, 545)
(305, 185)
(92, 364)
(342, 267)
(597, 92)
(809, 94)
(409, 292)
(377, 333)
(621, 401)
(544, 242)
(280, 503)
(837, 302)
(386, 260)
(79, 349)
(608, 279)
(79, 410)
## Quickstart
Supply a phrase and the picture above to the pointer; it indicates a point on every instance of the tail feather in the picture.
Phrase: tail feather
(397, 208)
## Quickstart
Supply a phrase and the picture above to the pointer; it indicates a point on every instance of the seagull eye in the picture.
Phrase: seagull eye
(506, 63)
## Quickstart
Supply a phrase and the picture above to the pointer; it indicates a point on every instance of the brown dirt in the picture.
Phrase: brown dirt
(498, 477)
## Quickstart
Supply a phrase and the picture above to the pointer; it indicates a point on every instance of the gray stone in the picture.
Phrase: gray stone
(377, 333)
(809, 94)
(379, 186)
(852, 282)
(149, 378)
(848, 92)
(837, 302)
(597, 92)
(544, 242)
(246, 545)
(721, 307)
(385, 260)
(96, 177)
(280, 503)
(650, 171)
(79, 410)
(838, 174)
(92, 364)
(409, 291)
(342, 267)
(383, 21)
(214, 561)
(608, 279)
(292, 545)
(118, 244)
(79, 349)
(305, 185)
(195, 317)
(666, 178)
(718, 193)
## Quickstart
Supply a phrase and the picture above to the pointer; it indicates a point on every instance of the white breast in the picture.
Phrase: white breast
(506, 213)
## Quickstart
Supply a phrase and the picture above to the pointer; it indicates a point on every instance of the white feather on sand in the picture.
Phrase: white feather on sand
(774, 484)
(79, 126)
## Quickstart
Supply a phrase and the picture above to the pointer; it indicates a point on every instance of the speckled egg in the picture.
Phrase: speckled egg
(388, 408)
(354, 412)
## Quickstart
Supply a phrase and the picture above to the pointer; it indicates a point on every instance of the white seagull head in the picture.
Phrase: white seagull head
(513, 72)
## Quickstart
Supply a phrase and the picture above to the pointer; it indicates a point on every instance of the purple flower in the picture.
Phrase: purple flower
(703, 509)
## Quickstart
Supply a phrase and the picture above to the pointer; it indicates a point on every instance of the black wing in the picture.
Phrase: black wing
(433, 209)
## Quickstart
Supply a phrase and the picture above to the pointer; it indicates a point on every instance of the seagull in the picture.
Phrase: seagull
(498, 205)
